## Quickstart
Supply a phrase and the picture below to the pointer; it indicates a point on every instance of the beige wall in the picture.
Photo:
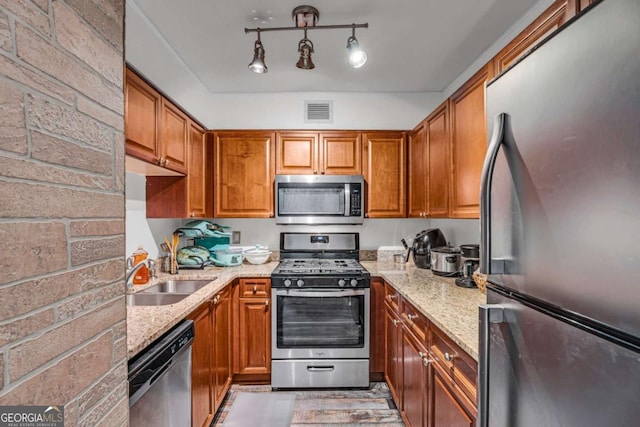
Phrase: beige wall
(62, 310)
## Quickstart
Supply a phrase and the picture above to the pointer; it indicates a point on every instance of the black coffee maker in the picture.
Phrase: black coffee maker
(422, 244)
(470, 262)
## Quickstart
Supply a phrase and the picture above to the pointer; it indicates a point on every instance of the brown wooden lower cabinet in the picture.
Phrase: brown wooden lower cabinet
(431, 379)
(252, 330)
(449, 406)
(415, 380)
(210, 357)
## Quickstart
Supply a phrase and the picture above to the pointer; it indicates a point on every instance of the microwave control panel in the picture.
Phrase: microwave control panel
(356, 200)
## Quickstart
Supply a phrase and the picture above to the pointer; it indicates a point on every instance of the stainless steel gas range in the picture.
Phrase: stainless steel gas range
(320, 317)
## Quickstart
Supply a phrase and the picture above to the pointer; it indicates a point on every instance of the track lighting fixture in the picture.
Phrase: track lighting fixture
(258, 65)
(305, 18)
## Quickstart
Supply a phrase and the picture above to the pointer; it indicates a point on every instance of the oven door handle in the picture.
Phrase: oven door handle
(319, 293)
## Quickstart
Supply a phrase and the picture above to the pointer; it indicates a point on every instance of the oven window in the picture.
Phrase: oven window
(305, 200)
(320, 322)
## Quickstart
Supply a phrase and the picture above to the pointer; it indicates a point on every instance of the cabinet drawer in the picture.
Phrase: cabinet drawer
(460, 367)
(255, 288)
(415, 322)
(391, 298)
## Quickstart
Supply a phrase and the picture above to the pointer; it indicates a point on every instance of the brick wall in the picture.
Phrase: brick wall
(62, 309)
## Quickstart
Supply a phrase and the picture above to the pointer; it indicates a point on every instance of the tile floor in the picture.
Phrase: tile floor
(333, 408)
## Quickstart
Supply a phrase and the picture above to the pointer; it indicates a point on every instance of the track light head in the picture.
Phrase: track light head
(305, 47)
(357, 56)
(258, 65)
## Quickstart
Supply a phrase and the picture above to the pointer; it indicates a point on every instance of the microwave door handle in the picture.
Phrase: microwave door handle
(501, 123)
(347, 201)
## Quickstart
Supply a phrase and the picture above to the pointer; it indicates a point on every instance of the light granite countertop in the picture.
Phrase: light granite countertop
(451, 308)
(145, 324)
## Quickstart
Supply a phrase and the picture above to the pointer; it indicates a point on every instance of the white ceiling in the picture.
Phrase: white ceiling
(413, 45)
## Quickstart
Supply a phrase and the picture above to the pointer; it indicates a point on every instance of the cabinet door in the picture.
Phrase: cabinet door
(341, 153)
(297, 153)
(141, 112)
(468, 145)
(244, 169)
(202, 408)
(414, 381)
(549, 21)
(385, 175)
(417, 171)
(173, 138)
(393, 355)
(199, 183)
(448, 405)
(255, 336)
(437, 131)
(222, 345)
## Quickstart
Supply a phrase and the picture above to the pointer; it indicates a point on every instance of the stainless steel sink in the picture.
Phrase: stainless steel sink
(154, 299)
(177, 286)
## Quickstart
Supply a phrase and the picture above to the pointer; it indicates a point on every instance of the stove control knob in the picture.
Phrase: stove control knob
(300, 282)
(354, 282)
(341, 282)
(287, 282)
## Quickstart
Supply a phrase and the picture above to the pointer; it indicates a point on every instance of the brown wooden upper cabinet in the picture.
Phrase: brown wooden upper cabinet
(199, 176)
(156, 130)
(384, 160)
(174, 136)
(549, 21)
(429, 166)
(417, 171)
(244, 169)
(142, 113)
(330, 153)
(468, 145)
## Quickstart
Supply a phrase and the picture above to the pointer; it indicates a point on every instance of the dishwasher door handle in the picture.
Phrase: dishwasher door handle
(321, 368)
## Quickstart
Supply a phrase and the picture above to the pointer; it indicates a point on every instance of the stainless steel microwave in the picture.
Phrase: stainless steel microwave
(319, 199)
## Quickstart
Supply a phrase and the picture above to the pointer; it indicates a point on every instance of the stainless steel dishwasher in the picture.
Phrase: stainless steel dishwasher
(160, 381)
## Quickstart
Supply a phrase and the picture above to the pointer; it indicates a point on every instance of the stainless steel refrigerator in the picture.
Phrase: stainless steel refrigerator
(560, 217)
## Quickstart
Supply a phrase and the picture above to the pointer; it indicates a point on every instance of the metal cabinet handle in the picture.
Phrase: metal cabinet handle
(391, 297)
(266, 303)
(395, 322)
(255, 289)
(489, 313)
(315, 171)
(449, 357)
(322, 172)
(412, 316)
(166, 162)
(425, 358)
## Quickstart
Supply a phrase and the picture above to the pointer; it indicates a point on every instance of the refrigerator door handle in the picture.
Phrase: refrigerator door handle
(500, 125)
(489, 313)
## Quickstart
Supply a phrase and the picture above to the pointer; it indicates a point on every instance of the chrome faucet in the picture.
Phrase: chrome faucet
(131, 270)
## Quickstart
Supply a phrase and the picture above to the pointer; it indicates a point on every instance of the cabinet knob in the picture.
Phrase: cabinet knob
(395, 322)
(315, 171)
(426, 361)
(366, 215)
(266, 303)
(449, 357)
(270, 214)
(322, 172)
(159, 161)
(412, 316)
(255, 289)
(391, 297)
(166, 162)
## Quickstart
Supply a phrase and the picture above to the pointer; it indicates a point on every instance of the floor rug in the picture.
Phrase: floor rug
(261, 409)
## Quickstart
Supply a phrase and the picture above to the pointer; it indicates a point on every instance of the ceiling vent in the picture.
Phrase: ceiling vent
(318, 111)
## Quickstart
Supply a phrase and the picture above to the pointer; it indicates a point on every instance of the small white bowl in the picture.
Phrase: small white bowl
(257, 256)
